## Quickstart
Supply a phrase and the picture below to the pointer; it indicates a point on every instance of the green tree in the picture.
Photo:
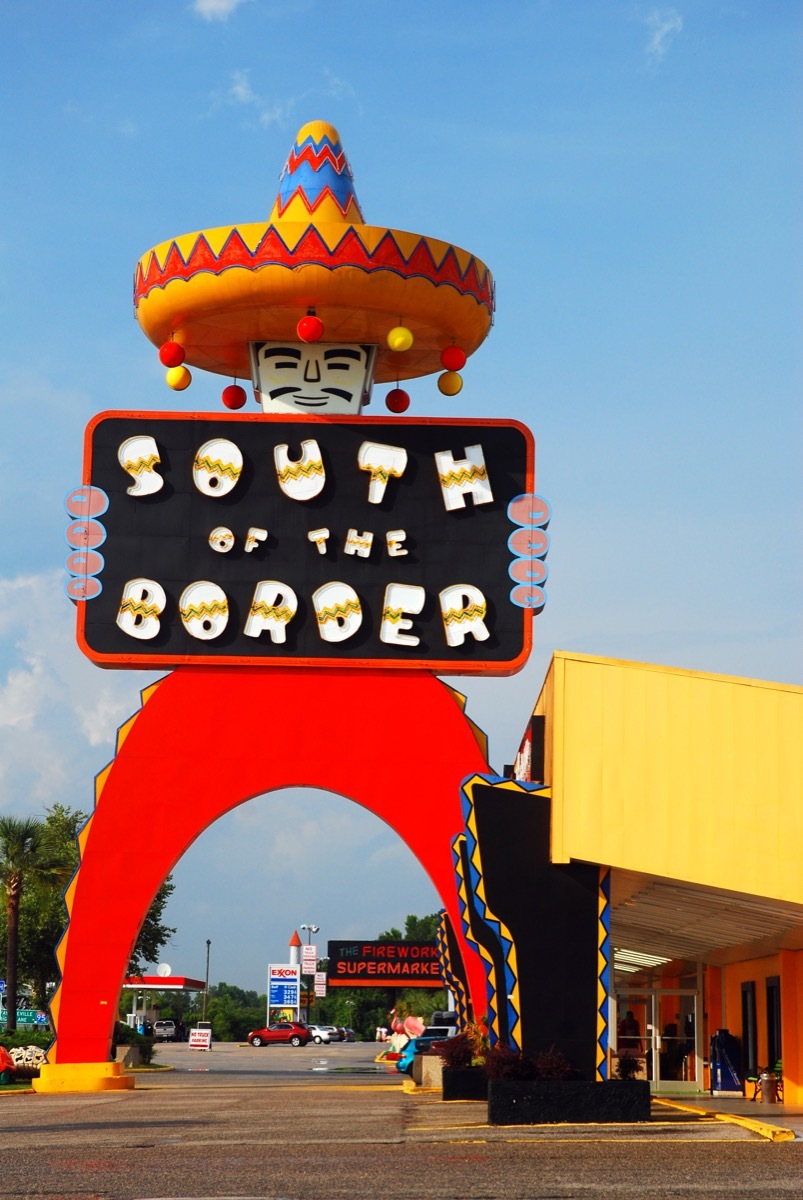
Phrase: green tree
(154, 934)
(43, 915)
(416, 929)
(234, 1012)
(28, 857)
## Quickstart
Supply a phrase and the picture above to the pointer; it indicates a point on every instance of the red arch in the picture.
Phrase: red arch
(207, 739)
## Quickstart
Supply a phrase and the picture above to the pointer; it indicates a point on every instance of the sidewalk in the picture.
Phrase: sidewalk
(777, 1122)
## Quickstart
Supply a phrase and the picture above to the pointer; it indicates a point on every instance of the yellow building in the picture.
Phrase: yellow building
(689, 786)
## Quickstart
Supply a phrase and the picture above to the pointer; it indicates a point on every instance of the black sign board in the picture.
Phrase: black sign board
(383, 964)
(297, 529)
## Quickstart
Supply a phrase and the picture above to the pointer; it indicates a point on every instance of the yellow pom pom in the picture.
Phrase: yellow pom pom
(400, 338)
(450, 383)
(178, 378)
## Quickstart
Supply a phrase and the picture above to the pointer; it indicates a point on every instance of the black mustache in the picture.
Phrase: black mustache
(275, 393)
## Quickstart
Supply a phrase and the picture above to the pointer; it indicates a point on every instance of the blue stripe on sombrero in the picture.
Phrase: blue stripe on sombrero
(311, 183)
(311, 169)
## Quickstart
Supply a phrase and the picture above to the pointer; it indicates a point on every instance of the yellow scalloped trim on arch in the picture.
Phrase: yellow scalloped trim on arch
(83, 834)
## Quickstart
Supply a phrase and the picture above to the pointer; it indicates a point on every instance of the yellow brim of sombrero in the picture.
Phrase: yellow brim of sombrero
(217, 290)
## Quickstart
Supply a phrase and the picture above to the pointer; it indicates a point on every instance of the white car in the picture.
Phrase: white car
(319, 1034)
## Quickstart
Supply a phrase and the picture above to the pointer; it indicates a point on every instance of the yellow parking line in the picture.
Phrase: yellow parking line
(773, 1133)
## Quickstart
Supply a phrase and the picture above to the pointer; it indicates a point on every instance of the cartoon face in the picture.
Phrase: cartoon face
(319, 378)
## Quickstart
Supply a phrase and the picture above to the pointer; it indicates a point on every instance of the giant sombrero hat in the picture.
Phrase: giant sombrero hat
(216, 290)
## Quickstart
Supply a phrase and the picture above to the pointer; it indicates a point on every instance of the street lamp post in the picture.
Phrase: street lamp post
(310, 930)
(206, 986)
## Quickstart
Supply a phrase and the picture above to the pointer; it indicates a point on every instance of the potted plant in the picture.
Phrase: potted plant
(463, 1058)
(545, 1089)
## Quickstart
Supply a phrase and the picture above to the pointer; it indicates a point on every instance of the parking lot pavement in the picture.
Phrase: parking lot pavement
(432, 1120)
(353, 1063)
(285, 1124)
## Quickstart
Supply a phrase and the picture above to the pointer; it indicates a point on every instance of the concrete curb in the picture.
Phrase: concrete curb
(773, 1133)
(418, 1089)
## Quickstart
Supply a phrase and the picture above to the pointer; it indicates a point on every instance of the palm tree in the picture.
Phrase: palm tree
(25, 856)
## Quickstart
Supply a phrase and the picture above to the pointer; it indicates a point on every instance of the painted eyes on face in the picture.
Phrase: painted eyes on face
(291, 365)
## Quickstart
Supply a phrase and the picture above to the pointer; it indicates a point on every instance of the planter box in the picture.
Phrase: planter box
(548, 1102)
(427, 1070)
(464, 1083)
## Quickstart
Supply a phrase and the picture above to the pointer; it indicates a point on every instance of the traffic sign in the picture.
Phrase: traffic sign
(26, 1016)
(309, 960)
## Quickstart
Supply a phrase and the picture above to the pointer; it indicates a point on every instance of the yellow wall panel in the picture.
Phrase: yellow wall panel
(676, 773)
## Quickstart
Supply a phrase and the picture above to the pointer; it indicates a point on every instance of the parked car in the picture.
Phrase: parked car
(350, 1035)
(415, 1045)
(335, 1034)
(320, 1033)
(282, 1032)
(168, 1031)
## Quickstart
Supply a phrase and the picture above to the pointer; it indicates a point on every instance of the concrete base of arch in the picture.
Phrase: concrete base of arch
(82, 1077)
(206, 740)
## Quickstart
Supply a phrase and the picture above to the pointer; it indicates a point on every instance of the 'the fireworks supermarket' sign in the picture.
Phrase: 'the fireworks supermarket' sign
(383, 964)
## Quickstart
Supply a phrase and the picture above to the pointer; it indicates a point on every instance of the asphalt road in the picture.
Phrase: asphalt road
(321, 1123)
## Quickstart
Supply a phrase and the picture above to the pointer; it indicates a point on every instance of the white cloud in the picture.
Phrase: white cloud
(278, 112)
(337, 89)
(241, 91)
(215, 10)
(59, 714)
(663, 25)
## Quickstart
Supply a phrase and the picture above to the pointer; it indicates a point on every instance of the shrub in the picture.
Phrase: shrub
(627, 1067)
(553, 1064)
(504, 1063)
(455, 1052)
(124, 1035)
(27, 1037)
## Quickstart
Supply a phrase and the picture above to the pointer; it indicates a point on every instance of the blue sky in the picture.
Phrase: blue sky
(628, 171)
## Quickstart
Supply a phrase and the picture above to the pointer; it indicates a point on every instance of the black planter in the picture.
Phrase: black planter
(549, 1102)
(464, 1083)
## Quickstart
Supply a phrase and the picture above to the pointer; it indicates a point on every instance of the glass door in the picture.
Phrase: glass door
(659, 1028)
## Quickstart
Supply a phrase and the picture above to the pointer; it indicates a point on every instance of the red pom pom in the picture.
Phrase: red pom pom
(310, 328)
(453, 358)
(397, 400)
(234, 396)
(171, 354)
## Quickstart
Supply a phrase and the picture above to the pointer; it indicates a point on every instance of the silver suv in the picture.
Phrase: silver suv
(167, 1031)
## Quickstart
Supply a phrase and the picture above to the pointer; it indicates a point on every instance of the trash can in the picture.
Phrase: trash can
(769, 1087)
